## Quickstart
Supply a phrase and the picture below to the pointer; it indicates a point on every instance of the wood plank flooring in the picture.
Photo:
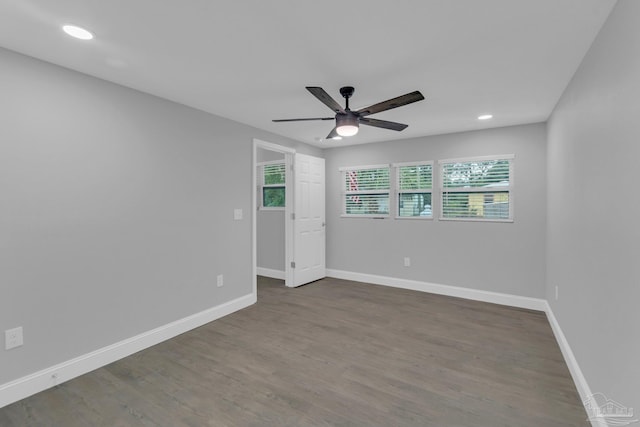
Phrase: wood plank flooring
(332, 353)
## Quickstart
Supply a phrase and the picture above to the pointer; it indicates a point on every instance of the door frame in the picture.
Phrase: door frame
(288, 209)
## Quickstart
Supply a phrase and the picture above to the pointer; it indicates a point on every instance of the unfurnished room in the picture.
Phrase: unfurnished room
(296, 213)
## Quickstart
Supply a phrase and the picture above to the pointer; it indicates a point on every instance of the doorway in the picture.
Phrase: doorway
(289, 240)
(272, 207)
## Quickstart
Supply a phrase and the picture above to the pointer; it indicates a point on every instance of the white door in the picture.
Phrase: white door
(308, 262)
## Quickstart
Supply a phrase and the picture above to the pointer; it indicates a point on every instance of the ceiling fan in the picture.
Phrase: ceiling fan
(347, 121)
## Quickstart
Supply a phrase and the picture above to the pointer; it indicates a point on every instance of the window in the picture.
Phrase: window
(414, 183)
(272, 185)
(477, 189)
(365, 191)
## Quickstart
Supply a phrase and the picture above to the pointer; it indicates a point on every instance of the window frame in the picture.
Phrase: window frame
(509, 189)
(262, 185)
(398, 191)
(344, 193)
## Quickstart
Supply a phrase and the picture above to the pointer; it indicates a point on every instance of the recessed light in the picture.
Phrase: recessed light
(485, 117)
(77, 32)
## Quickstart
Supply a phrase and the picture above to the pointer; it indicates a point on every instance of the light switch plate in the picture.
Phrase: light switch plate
(237, 214)
(13, 338)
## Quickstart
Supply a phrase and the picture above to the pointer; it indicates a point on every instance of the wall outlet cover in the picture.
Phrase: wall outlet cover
(13, 338)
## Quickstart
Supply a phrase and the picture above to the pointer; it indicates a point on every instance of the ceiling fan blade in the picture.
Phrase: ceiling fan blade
(383, 124)
(302, 120)
(333, 134)
(324, 97)
(391, 103)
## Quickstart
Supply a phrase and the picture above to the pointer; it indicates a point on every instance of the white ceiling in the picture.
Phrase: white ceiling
(250, 60)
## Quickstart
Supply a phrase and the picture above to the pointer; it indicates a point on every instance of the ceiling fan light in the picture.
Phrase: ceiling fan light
(347, 130)
(346, 125)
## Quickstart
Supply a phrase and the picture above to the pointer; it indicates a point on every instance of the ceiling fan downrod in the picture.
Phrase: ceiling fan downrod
(347, 92)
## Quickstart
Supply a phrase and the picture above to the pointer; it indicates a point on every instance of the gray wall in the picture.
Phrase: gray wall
(593, 234)
(270, 226)
(499, 257)
(116, 211)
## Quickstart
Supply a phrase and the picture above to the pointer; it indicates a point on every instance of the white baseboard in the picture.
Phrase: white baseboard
(47, 378)
(268, 272)
(576, 373)
(453, 291)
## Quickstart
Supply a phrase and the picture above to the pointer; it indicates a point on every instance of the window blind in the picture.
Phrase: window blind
(477, 189)
(366, 190)
(273, 185)
(274, 174)
(415, 181)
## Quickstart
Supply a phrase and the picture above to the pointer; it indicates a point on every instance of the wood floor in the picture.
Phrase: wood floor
(332, 353)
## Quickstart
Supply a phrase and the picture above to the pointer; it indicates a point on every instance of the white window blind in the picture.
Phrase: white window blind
(273, 185)
(477, 189)
(365, 190)
(414, 186)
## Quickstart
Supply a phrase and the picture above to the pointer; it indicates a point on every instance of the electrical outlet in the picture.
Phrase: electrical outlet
(220, 280)
(407, 261)
(556, 292)
(13, 338)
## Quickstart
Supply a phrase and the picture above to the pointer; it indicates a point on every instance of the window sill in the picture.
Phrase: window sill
(365, 216)
(415, 218)
(477, 219)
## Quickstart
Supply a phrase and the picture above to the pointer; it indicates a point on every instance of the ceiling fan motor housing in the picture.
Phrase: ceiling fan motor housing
(347, 123)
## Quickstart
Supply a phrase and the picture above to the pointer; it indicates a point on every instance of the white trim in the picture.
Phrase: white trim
(271, 162)
(503, 189)
(371, 216)
(576, 373)
(419, 163)
(434, 288)
(418, 218)
(26, 386)
(289, 222)
(273, 147)
(254, 214)
(477, 219)
(365, 167)
(274, 274)
(478, 158)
